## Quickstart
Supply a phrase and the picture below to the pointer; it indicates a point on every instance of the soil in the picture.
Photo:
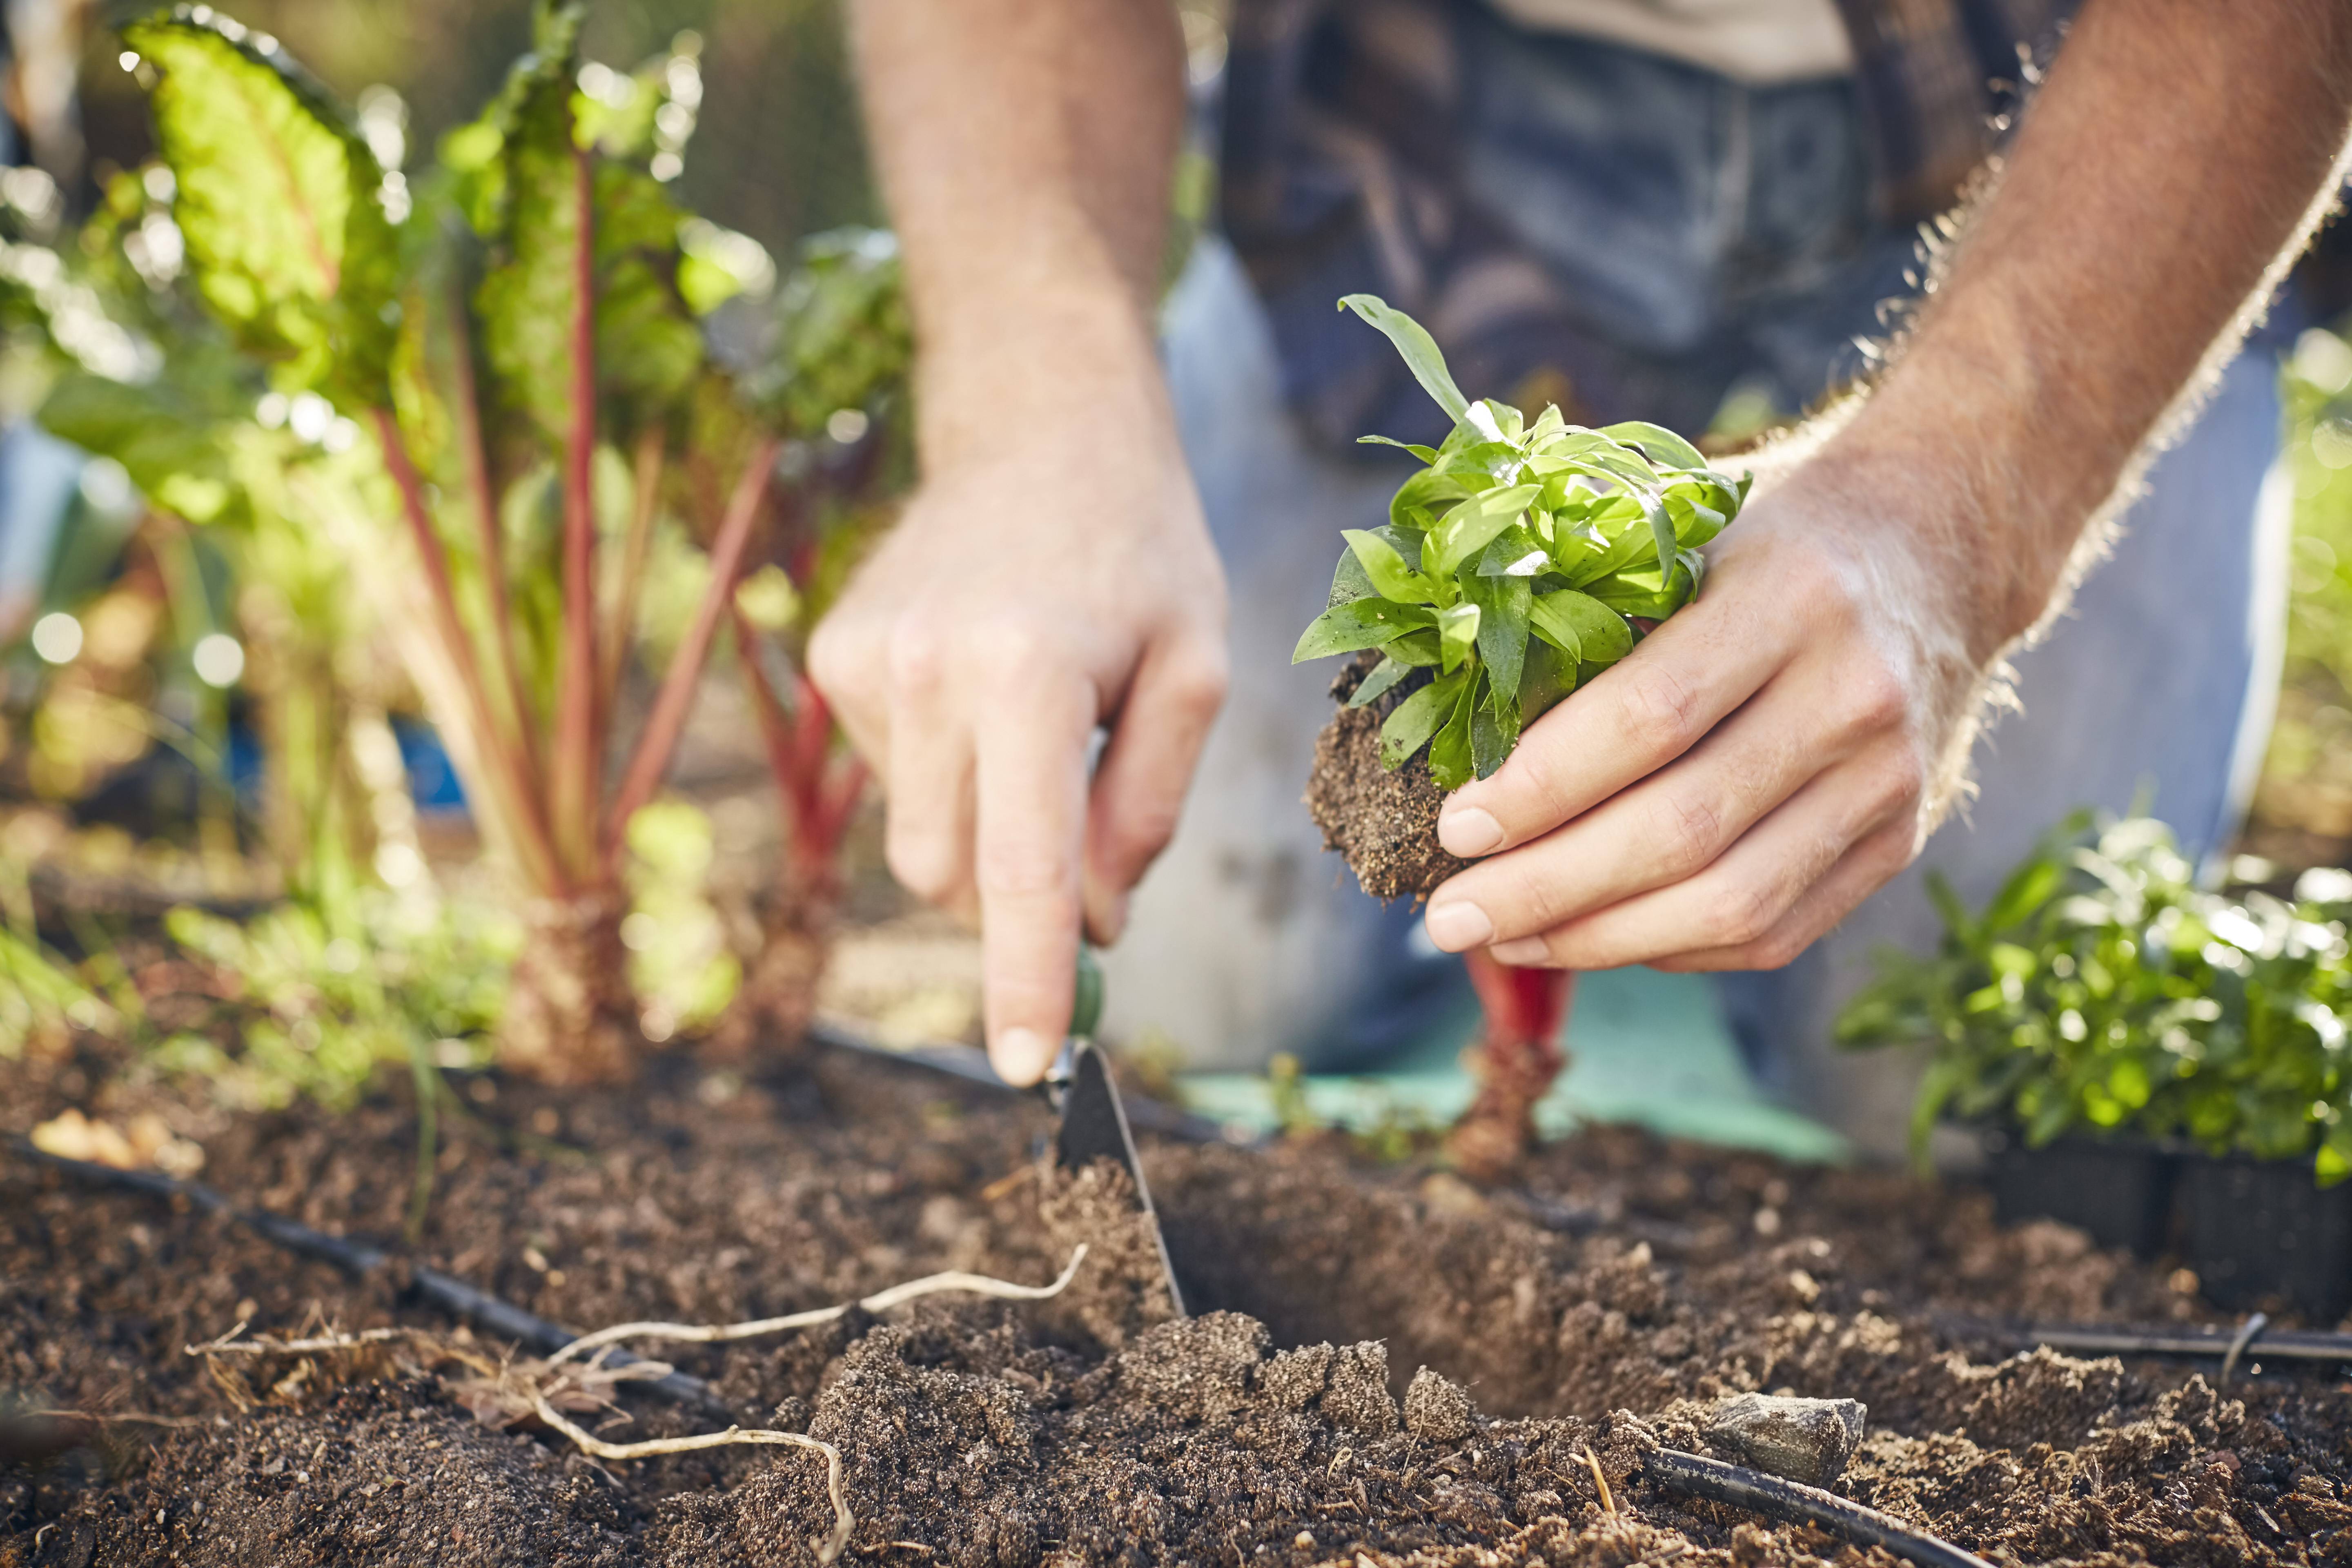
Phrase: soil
(1388, 1366)
(1384, 821)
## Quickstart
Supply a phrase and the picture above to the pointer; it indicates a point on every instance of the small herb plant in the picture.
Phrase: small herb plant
(2102, 990)
(1524, 558)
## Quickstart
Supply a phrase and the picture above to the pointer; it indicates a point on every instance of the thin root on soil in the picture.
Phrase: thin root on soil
(844, 1521)
(954, 1280)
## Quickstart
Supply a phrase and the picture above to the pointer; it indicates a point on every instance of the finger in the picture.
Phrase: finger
(845, 663)
(928, 834)
(1634, 718)
(1031, 820)
(1670, 825)
(1140, 782)
(1745, 894)
(1859, 872)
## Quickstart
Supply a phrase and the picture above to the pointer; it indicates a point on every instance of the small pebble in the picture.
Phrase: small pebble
(1807, 1440)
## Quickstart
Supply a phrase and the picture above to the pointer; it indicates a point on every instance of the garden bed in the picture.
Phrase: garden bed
(1598, 1310)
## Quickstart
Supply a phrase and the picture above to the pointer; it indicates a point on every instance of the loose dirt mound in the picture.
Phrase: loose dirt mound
(1599, 1312)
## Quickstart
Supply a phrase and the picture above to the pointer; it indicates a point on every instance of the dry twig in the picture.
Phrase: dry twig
(1602, 1481)
(880, 1301)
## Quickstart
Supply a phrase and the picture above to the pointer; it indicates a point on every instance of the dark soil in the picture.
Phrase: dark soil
(1383, 821)
(1601, 1308)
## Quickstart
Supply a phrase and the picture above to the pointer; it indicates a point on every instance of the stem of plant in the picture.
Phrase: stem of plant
(426, 1077)
(655, 747)
(647, 469)
(572, 805)
(818, 796)
(533, 842)
(1518, 1058)
(492, 544)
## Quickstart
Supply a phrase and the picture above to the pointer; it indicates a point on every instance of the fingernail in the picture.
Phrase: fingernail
(1457, 924)
(1527, 951)
(1468, 831)
(1020, 1056)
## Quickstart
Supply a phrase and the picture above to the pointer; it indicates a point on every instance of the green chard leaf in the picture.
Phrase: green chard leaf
(529, 299)
(1420, 351)
(278, 202)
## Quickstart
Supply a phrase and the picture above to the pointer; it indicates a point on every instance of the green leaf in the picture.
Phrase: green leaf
(1662, 446)
(1494, 730)
(277, 201)
(1506, 605)
(529, 299)
(1359, 624)
(1420, 351)
(1416, 719)
(1580, 626)
(1376, 685)
(1515, 553)
(1661, 532)
(1450, 760)
(166, 434)
(1386, 569)
(1548, 676)
(1418, 501)
(1427, 454)
(1470, 527)
(1457, 634)
(1418, 649)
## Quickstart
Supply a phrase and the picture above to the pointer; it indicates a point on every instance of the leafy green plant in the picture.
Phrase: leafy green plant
(1524, 558)
(2102, 990)
(514, 346)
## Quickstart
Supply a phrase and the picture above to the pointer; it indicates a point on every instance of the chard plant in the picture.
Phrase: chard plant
(1526, 557)
(1523, 559)
(514, 344)
(2101, 992)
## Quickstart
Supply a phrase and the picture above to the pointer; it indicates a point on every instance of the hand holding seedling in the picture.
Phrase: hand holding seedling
(1054, 575)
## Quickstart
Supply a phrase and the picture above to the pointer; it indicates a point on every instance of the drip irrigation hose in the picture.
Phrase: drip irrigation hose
(1794, 1502)
(2252, 1339)
(359, 1260)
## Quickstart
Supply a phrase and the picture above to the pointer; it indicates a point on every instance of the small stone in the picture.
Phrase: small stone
(1807, 1440)
(1436, 1409)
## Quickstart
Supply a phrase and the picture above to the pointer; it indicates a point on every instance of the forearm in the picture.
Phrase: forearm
(1026, 148)
(2177, 156)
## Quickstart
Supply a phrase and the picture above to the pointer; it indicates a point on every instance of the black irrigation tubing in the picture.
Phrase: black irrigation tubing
(1795, 1502)
(360, 1259)
(2231, 1344)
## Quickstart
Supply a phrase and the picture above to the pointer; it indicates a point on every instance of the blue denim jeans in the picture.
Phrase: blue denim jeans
(1722, 237)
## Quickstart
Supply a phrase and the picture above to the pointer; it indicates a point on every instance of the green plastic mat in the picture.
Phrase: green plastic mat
(1643, 1047)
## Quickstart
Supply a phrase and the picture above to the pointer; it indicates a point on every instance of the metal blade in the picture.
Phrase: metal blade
(1094, 1127)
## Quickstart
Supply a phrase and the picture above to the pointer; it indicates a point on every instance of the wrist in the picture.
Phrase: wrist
(1031, 357)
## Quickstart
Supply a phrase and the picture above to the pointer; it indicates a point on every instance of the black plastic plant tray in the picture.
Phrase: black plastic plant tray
(2260, 1230)
(2118, 1190)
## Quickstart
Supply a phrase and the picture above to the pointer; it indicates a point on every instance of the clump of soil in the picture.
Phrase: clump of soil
(1386, 1366)
(1384, 821)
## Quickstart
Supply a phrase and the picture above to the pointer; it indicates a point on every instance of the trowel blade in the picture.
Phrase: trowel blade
(1094, 1127)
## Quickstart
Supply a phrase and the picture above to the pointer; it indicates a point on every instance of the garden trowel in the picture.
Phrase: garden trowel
(1094, 1123)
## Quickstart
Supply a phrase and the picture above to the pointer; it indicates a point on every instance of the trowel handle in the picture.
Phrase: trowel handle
(1085, 1017)
(1086, 1000)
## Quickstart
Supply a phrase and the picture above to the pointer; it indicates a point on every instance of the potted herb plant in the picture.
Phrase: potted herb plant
(1524, 558)
(2153, 1061)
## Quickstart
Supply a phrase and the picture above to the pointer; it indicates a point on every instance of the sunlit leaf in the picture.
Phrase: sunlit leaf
(1386, 569)
(1420, 351)
(1357, 624)
(1457, 634)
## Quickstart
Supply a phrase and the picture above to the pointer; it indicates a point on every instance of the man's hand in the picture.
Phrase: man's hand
(1780, 749)
(1054, 574)
(1758, 767)
(1064, 582)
